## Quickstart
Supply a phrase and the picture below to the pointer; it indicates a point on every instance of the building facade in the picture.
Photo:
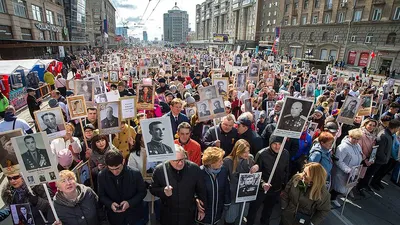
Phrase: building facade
(100, 16)
(348, 30)
(176, 25)
(34, 29)
(123, 31)
(145, 37)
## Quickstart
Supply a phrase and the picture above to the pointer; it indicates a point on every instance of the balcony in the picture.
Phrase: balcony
(328, 7)
(378, 2)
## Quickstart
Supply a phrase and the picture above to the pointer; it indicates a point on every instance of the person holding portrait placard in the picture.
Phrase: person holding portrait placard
(34, 158)
(110, 120)
(295, 120)
(155, 146)
(125, 139)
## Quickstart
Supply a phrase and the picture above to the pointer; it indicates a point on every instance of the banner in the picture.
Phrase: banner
(220, 37)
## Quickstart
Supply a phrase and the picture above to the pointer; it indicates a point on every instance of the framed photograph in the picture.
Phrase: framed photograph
(128, 109)
(366, 105)
(109, 120)
(143, 72)
(22, 214)
(113, 76)
(208, 93)
(35, 157)
(155, 62)
(158, 139)
(312, 79)
(100, 98)
(218, 107)
(148, 168)
(293, 117)
(270, 107)
(237, 61)
(51, 121)
(84, 174)
(217, 63)
(8, 158)
(222, 86)
(349, 110)
(248, 187)
(312, 127)
(240, 81)
(269, 78)
(204, 130)
(354, 175)
(145, 101)
(190, 111)
(113, 95)
(253, 71)
(245, 61)
(201, 66)
(76, 107)
(372, 157)
(310, 90)
(322, 79)
(247, 105)
(204, 110)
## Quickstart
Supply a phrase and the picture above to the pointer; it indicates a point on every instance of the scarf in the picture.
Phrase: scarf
(9, 116)
(368, 134)
(21, 194)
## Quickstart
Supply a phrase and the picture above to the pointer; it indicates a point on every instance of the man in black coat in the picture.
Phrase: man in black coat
(178, 199)
(246, 133)
(33, 103)
(227, 135)
(121, 190)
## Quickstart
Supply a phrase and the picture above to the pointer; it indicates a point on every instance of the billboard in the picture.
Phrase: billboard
(220, 37)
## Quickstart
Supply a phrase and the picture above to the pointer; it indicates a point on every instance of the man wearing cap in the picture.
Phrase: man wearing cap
(246, 133)
(163, 87)
(261, 123)
(165, 107)
(33, 103)
(227, 135)
(88, 131)
(293, 121)
(265, 159)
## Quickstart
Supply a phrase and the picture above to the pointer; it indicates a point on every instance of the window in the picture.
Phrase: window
(396, 15)
(294, 21)
(273, 29)
(269, 13)
(357, 15)
(353, 38)
(274, 13)
(300, 35)
(26, 34)
(376, 14)
(316, 4)
(311, 39)
(37, 13)
(368, 38)
(335, 38)
(285, 22)
(49, 17)
(292, 36)
(340, 17)
(60, 20)
(2, 6)
(327, 18)
(269, 22)
(303, 20)
(267, 29)
(270, 5)
(305, 4)
(274, 21)
(324, 36)
(5, 32)
(296, 5)
(19, 8)
(391, 39)
(286, 7)
(315, 19)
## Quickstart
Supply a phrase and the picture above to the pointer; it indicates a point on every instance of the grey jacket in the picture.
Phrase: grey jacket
(81, 212)
(385, 142)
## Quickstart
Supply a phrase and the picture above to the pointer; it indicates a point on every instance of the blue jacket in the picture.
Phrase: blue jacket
(218, 195)
(181, 118)
(395, 147)
(304, 147)
(322, 156)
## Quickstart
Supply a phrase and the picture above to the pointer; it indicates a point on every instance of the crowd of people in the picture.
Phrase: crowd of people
(200, 186)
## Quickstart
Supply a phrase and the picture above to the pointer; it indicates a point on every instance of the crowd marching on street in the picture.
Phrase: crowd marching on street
(184, 136)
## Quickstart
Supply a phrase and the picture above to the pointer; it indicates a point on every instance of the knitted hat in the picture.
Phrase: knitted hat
(319, 109)
(53, 103)
(64, 157)
(275, 138)
(263, 114)
(335, 112)
(190, 100)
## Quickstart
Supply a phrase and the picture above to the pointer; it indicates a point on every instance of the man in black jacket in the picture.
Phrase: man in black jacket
(246, 133)
(121, 190)
(227, 135)
(33, 103)
(178, 199)
(269, 193)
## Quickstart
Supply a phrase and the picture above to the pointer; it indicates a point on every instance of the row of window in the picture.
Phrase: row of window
(6, 33)
(390, 40)
(20, 9)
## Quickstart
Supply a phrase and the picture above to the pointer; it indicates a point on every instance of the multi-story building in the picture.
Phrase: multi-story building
(123, 31)
(176, 25)
(267, 23)
(348, 30)
(34, 29)
(101, 23)
(145, 37)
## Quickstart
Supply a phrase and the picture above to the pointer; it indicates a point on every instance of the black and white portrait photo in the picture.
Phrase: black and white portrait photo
(51, 121)
(190, 111)
(248, 187)
(143, 72)
(349, 110)
(354, 175)
(241, 81)
(270, 106)
(84, 175)
(76, 107)
(237, 61)
(322, 79)
(201, 66)
(310, 90)
(218, 107)
(312, 79)
(154, 62)
(157, 134)
(52, 175)
(85, 88)
(253, 70)
(109, 122)
(293, 117)
(247, 105)
(22, 214)
(222, 86)
(114, 76)
(216, 63)
(203, 110)
(100, 98)
(8, 158)
(366, 105)
(208, 93)
(31, 180)
(35, 156)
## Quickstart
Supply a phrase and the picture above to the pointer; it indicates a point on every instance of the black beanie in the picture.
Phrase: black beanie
(275, 138)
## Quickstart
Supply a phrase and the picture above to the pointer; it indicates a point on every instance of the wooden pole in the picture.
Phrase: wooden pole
(215, 125)
(83, 132)
(165, 174)
(276, 161)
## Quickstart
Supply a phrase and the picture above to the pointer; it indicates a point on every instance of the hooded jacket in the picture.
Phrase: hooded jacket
(83, 211)
(322, 156)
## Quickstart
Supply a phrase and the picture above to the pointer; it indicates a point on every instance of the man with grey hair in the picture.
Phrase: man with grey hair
(223, 135)
(184, 185)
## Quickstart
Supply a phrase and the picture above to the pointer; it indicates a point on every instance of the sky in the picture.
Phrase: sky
(131, 11)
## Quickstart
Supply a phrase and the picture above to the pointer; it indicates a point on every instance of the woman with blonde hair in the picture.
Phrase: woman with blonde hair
(349, 155)
(238, 161)
(306, 197)
(217, 186)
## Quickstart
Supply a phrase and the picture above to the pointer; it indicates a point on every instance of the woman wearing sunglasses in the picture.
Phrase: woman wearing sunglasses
(16, 192)
(349, 155)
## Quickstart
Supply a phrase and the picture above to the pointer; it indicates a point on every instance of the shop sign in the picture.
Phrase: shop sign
(351, 59)
(363, 59)
(18, 98)
(43, 26)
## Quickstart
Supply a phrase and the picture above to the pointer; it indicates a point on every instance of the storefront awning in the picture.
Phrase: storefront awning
(14, 43)
(8, 67)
